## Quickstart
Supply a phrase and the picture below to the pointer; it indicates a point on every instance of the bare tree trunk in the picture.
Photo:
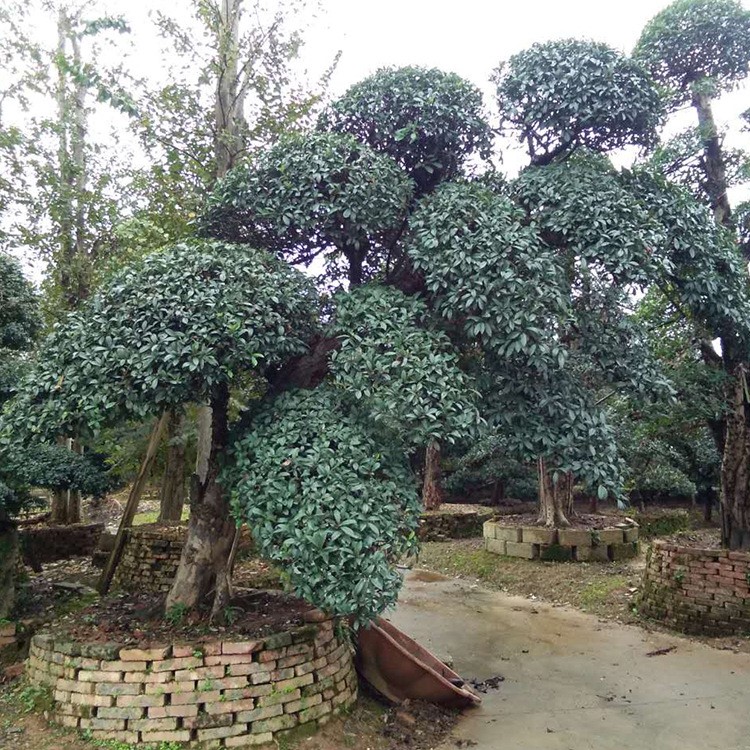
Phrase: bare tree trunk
(555, 498)
(9, 550)
(433, 495)
(713, 161)
(59, 510)
(211, 529)
(74, 496)
(173, 482)
(228, 115)
(498, 492)
(735, 467)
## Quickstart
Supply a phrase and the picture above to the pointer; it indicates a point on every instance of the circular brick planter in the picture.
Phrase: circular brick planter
(580, 545)
(697, 591)
(210, 693)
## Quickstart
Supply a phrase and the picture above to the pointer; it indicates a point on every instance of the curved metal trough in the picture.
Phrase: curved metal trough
(399, 668)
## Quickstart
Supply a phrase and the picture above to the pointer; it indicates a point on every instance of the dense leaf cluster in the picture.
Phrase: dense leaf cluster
(430, 122)
(697, 42)
(322, 193)
(562, 95)
(330, 498)
(164, 332)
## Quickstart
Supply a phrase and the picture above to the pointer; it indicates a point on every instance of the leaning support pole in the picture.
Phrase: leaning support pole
(132, 505)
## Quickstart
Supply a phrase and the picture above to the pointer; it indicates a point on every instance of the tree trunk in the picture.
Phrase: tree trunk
(555, 498)
(211, 529)
(59, 511)
(735, 466)
(9, 550)
(173, 481)
(498, 492)
(74, 496)
(228, 116)
(713, 160)
(433, 495)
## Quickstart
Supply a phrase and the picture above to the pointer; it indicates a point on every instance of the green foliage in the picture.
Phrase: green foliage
(175, 615)
(309, 195)
(55, 467)
(329, 497)
(405, 376)
(165, 332)
(429, 121)
(559, 96)
(692, 43)
(460, 232)
(19, 313)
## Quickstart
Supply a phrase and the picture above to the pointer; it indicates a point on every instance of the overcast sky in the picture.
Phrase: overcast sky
(468, 37)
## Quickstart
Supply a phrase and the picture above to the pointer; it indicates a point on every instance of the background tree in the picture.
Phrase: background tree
(697, 49)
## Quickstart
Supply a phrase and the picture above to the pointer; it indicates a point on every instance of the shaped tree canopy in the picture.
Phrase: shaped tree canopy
(559, 96)
(427, 120)
(694, 41)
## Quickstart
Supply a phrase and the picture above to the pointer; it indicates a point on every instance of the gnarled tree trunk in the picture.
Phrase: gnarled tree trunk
(555, 497)
(173, 482)
(211, 529)
(433, 495)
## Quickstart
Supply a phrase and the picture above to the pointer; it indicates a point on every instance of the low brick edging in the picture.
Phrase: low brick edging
(697, 591)
(228, 693)
(44, 544)
(443, 524)
(579, 545)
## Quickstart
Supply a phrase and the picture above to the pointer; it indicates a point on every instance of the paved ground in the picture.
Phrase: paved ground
(573, 682)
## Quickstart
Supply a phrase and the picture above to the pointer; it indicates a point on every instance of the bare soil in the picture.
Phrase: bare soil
(140, 618)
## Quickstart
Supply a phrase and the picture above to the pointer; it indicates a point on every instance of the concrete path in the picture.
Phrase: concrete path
(573, 682)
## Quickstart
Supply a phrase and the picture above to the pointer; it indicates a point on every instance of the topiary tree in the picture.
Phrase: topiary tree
(560, 96)
(696, 49)
(428, 121)
(175, 328)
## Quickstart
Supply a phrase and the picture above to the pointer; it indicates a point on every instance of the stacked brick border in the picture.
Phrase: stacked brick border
(443, 524)
(44, 544)
(152, 555)
(697, 591)
(150, 558)
(209, 694)
(579, 545)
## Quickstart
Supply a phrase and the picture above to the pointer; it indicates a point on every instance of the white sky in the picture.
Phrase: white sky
(469, 37)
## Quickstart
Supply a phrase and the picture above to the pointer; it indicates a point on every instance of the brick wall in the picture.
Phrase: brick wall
(150, 558)
(43, 544)
(697, 591)
(229, 693)
(152, 554)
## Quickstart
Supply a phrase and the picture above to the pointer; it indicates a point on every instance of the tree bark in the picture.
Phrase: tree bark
(9, 550)
(498, 492)
(735, 467)
(173, 482)
(211, 529)
(555, 498)
(433, 495)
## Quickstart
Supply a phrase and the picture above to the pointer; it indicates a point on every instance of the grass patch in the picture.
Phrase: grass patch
(599, 588)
